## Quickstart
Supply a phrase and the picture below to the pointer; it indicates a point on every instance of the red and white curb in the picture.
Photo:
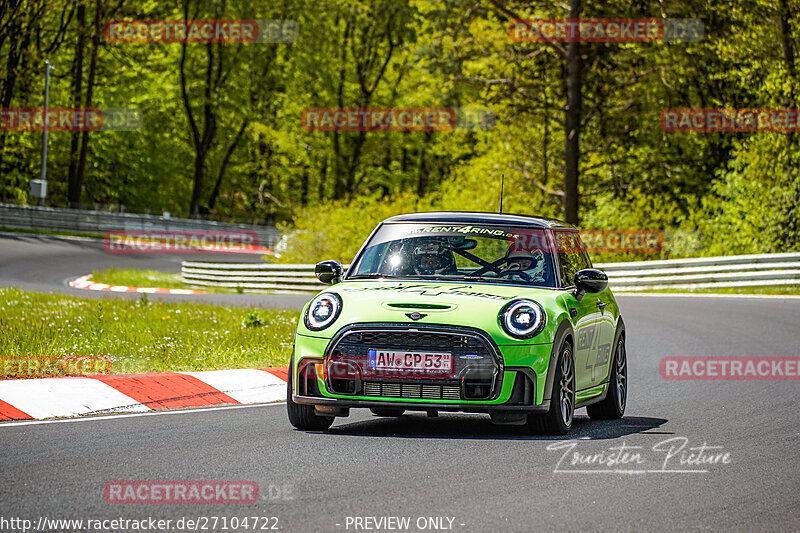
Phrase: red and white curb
(85, 282)
(37, 399)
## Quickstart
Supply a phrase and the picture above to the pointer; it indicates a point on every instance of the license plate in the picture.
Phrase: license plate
(410, 362)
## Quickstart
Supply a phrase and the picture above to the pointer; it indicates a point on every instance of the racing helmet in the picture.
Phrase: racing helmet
(431, 257)
(530, 262)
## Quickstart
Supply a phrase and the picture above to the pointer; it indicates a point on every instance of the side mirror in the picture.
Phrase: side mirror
(329, 272)
(589, 280)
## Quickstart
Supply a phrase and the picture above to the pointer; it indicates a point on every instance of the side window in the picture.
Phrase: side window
(370, 261)
(572, 255)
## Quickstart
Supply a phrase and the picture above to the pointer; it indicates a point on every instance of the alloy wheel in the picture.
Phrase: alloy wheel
(567, 398)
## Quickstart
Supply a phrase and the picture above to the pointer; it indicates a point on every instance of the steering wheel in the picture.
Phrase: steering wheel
(509, 273)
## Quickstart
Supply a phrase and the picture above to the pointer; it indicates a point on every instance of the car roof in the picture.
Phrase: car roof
(450, 217)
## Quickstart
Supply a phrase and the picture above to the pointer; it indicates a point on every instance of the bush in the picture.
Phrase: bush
(337, 229)
(751, 208)
(754, 207)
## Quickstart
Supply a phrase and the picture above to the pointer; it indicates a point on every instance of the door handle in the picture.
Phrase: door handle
(601, 305)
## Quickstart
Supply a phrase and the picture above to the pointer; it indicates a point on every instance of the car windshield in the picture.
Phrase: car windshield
(489, 253)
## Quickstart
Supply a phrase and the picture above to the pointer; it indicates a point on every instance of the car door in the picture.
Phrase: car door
(606, 329)
(591, 321)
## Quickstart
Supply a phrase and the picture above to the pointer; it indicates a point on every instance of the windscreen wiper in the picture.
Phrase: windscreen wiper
(373, 275)
(460, 277)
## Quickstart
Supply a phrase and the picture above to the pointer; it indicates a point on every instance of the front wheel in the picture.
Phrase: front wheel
(558, 420)
(613, 405)
(304, 416)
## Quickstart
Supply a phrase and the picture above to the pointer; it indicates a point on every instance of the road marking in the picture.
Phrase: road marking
(85, 282)
(135, 415)
(9, 412)
(51, 397)
(58, 397)
(244, 385)
(167, 390)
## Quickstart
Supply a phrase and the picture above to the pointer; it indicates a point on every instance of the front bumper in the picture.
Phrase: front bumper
(416, 406)
(519, 384)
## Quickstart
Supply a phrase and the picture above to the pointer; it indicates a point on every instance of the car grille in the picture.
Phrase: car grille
(410, 390)
(414, 339)
(477, 364)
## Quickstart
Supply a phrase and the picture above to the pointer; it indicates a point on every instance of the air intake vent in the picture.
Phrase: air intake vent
(440, 307)
(411, 391)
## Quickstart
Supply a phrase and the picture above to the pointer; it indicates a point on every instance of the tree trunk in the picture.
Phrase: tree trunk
(339, 182)
(304, 187)
(197, 181)
(223, 167)
(572, 123)
(98, 15)
(787, 46)
(202, 141)
(73, 187)
(422, 172)
(355, 158)
(323, 181)
(16, 48)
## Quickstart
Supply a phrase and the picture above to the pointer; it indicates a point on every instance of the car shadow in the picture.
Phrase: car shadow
(448, 426)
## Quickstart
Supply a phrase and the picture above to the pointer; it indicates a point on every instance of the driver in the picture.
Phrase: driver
(431, 258)
(531, 263)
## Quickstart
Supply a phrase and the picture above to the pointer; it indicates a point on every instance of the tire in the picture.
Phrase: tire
(303, 416)
(558, 420)
(385, 411)
(613, 405)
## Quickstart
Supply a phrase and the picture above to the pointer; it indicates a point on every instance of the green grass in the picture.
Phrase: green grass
(132, 277)
(142, 336)
(139, 278)
(777, 289)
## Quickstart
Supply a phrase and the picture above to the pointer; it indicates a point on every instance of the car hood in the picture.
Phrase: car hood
(474, 305)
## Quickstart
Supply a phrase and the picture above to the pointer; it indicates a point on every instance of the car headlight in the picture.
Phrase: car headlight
(323, 311)
(523, 319)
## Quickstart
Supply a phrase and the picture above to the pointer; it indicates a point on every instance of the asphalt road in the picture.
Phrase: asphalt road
(483, 477)
(46, 263)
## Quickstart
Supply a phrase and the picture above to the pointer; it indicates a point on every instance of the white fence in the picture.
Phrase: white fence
(702, 273)
(253, 276)
(705, 272)
(82, 221)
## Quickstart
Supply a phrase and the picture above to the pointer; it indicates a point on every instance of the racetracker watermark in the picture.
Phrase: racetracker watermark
(671, 456)
(200, 31)
(70, 119)
(475, 118)
(730, 120)
(180, 492)
(378, 119)
(399, 523)
(606, 30)
(642, 241)
(730, 368)
(148, 523)
(591, 241)
(181, 242)
(45, 366)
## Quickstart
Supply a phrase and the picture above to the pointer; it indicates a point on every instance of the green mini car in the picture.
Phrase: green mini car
(473, 312)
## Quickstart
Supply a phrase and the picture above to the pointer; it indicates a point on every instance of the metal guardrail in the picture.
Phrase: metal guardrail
(74, 220)
(700, 273)
(254, 276)
(753, 270)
